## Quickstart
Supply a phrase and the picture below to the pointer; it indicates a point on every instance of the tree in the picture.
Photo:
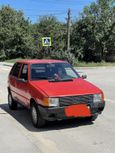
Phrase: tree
(92, 35)
(94, 31)
(15, 36)
(49, 26)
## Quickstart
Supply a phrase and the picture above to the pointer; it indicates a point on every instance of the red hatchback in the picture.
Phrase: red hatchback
(52, 90)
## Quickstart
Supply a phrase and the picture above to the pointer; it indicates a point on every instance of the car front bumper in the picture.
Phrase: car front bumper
(58, 113)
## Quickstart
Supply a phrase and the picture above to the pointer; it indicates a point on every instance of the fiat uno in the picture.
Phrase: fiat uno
(52, 90)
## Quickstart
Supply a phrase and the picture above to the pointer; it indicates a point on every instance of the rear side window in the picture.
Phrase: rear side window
(24, 72)
(15, 70)
(11, 72)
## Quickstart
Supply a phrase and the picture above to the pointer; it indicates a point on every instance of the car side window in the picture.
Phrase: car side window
(16, 69)
(11, 72)
(24, 72)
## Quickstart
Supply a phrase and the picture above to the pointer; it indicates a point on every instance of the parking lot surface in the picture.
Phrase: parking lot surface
(17, 134)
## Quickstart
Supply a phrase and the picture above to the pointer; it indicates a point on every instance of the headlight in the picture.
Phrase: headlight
(97, 98)
(51, 101)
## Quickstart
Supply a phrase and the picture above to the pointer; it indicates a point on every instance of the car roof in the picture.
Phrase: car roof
(34, 61)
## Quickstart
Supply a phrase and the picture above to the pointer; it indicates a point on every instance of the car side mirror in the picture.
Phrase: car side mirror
(84, 76)
(21, 80)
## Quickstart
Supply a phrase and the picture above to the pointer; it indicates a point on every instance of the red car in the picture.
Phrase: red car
(52, 90)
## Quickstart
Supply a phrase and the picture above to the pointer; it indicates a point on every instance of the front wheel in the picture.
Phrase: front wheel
(36, 117)
(12, 104)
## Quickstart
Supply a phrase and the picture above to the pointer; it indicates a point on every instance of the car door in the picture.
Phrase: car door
(22, 86)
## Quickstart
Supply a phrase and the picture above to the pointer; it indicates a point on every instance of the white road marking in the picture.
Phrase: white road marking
(110, 100)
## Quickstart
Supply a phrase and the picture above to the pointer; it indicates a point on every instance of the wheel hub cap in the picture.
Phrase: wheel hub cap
(34, 115)
(10, 100)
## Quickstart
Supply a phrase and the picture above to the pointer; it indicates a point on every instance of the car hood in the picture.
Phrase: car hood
(68, 88)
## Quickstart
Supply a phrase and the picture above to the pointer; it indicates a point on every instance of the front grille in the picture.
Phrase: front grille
(72, 100)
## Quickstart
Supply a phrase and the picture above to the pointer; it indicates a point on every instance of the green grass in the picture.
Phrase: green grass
(13, 60)
(93, 64)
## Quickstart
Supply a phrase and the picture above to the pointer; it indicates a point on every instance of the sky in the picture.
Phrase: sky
(36, 8)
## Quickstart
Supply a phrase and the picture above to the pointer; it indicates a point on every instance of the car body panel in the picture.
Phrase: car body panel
(69, 88)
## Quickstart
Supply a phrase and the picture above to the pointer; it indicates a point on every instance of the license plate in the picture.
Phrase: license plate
(80, 110)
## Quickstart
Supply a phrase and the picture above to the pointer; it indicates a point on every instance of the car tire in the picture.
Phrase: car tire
(11, 103)
(36, 117)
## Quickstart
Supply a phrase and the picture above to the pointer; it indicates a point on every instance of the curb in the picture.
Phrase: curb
(6, 64)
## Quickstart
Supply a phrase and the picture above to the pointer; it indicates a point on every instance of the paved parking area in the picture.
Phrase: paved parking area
(17, 135)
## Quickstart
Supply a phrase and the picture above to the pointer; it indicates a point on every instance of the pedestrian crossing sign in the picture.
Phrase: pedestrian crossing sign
(46, 41)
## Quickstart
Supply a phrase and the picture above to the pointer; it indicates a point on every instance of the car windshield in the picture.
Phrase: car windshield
(53, 72)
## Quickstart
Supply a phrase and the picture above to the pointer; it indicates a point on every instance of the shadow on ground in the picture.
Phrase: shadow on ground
(22, 115)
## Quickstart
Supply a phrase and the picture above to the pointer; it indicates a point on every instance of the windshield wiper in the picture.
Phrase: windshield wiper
(60, 80)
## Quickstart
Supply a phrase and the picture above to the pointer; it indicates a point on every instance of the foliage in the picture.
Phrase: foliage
(92, 35)
(62, 55)
(95, 32)
(48, 26)
(15, 38)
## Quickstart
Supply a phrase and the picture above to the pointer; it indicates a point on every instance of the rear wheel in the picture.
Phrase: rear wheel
(12, 104)
(36, 117)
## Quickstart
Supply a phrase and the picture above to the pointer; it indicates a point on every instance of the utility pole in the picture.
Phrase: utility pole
(68, 29)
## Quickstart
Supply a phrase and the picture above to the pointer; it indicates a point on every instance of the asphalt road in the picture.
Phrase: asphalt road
(17, 134)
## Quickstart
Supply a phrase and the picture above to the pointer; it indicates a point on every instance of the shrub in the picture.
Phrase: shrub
(62, 55)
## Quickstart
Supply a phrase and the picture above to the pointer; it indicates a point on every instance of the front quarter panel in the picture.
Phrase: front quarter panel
(37, 94)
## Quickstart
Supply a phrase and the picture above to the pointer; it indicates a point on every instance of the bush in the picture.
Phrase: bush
(63, 55)
(2, 58)
(110, 57)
